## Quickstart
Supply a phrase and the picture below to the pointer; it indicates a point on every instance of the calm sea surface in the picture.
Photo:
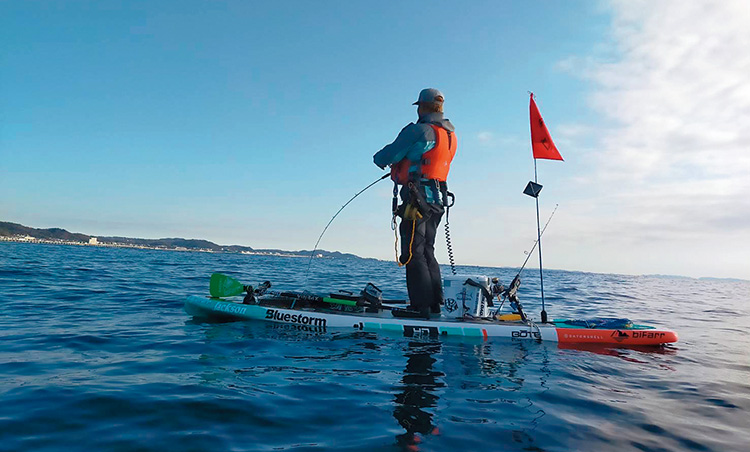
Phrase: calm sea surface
(96, 353)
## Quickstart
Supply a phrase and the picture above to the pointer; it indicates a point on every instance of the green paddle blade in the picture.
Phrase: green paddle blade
(224, 286)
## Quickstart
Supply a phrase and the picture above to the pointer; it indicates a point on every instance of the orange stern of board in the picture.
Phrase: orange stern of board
(624, 337)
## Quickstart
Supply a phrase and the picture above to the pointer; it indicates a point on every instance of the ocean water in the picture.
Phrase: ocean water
(97, 353)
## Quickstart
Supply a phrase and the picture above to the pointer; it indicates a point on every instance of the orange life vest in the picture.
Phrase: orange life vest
(435, 163)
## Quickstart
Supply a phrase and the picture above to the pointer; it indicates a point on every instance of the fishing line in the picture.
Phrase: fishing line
(528, 255)
(312, 253)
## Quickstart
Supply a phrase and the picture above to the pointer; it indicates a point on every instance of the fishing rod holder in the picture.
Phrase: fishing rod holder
(511, 294)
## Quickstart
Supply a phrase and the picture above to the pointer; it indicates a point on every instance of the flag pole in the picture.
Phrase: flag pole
(539, 242)
(542, 147)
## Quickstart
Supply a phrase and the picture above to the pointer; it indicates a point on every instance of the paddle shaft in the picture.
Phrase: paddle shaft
(314, 298)
(226, 286)
(308, 297)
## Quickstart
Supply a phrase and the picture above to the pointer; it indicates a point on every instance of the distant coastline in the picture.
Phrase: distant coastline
(14, 232)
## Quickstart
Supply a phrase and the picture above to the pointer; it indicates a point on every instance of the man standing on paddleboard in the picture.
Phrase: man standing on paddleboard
(420, 159)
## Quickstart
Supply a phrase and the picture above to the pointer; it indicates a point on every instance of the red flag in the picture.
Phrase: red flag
(541, 141)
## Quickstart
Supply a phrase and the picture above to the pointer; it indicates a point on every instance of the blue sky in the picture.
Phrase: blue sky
(253, 122)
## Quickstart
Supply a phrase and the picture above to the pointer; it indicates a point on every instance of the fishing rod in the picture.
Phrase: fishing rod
(528, 253)
(510, 292)
(312, 253)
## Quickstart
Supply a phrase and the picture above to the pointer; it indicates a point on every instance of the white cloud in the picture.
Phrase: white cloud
(571, 131)
(490, 139)
(485, 137)
(673, 162)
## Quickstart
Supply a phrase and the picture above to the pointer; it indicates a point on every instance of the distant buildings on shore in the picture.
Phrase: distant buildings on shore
(94, 241)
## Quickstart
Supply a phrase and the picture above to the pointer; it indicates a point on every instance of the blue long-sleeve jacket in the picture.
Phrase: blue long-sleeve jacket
(411, 143)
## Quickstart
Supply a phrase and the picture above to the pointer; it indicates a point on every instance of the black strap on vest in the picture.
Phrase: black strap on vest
(394, 203)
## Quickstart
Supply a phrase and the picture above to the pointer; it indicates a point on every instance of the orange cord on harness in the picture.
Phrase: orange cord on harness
(411, 242)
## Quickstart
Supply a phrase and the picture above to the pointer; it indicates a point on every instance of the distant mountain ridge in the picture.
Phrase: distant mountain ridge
(8, 229)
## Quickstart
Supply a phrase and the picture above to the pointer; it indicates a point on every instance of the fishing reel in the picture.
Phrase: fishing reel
(496, 289)
(257, 292)
(373, 296)
(510, 293)
(262, 288)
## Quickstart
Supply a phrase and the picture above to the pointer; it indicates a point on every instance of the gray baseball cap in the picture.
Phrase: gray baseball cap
(430, 95)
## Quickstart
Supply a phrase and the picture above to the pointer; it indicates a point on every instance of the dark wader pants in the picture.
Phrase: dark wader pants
(423, 280)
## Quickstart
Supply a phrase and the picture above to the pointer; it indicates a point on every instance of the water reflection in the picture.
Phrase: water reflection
(439, 391)
(418, 393)
(505, 380)
(625, 353)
